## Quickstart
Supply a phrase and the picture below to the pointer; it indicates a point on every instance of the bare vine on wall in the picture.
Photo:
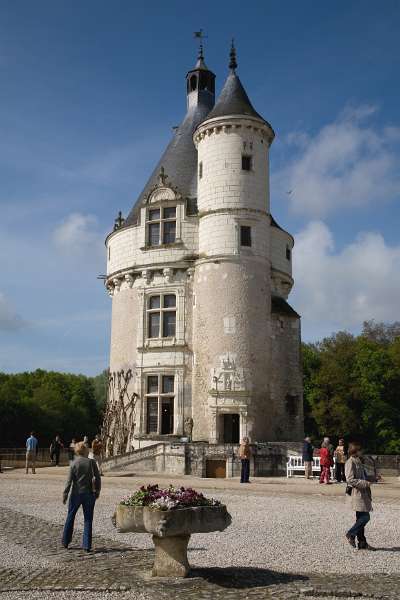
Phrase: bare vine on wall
(120, 413)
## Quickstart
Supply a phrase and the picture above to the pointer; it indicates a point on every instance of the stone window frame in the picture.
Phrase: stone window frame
(178, 374)
(248, 228)
(161, 310)
(159, 395)
(179, 339)
(247, 162)
(161, 221)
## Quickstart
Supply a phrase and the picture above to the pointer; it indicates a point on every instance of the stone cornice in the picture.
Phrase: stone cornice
(236, 258)
(230, 123)
(216, 211)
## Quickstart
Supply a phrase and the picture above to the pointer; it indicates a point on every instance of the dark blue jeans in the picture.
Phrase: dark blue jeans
(358, 528)
(245, 471)
(87, 501)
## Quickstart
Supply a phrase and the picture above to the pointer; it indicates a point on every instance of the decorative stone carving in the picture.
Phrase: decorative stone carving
(117, 283)
(171, 530)
(110, 289)
(228, 377)
(146, 274)
(189, 427)
(168, 274)
(129, 279)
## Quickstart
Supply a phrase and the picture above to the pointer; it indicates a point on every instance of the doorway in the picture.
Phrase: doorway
(231, 429)
(216, 468)
(167, 416)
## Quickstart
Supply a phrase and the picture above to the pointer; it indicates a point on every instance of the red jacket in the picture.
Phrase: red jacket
(325, 457)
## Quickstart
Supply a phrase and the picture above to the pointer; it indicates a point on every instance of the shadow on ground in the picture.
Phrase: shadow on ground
(245, 577)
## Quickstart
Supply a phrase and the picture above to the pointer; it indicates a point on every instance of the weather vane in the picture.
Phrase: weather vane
(199, 35)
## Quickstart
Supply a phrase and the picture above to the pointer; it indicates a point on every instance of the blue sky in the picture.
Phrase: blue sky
(89, 94)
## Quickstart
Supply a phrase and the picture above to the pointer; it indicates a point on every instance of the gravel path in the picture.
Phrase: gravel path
(286, 533)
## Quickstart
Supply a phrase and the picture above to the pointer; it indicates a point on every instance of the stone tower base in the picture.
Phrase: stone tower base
(201, 459)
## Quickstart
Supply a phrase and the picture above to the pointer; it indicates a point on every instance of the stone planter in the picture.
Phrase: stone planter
(171, 531)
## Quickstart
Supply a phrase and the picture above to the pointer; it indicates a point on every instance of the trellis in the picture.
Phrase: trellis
(120, 413)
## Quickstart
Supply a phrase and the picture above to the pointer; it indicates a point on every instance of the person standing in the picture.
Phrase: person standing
(97, 450)
(84, 482)
(32, 448)
(326, 461)
(245, 455)
(71, 450)
(55, 450)
(308, 452)
(86, 441)
(340, 456)
(361, 497)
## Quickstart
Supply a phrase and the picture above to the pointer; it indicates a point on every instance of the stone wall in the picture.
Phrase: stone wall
(286, 379)
(15, 457)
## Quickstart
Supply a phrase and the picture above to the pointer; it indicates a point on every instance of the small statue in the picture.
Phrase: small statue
(189, 427)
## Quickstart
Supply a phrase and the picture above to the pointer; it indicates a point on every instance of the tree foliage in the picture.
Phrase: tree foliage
(49, 403)
(352, 387)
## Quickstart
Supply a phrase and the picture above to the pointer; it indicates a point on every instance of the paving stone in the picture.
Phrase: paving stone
(115, 567)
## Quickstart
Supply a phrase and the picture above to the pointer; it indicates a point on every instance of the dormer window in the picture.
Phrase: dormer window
(161, 226)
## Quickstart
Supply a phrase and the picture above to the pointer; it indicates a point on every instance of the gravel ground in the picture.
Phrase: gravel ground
(286, 533)
(73, 595)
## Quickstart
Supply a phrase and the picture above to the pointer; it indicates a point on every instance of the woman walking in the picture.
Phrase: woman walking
(361, 498)
(84, 478)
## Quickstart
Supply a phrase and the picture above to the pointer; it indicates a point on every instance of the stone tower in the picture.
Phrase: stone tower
(203, 341)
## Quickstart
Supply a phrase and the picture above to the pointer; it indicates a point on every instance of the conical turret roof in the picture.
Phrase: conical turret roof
(233, 100)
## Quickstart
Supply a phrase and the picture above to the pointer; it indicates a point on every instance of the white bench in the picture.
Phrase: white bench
(295, 467)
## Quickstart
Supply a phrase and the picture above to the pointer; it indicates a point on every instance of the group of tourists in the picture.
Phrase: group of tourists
(56, 446)
(329, 457)
(84, 480)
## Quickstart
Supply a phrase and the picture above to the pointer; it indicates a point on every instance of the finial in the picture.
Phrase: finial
(119, 221)
(232, 55)
(162, 176)
(200, 55)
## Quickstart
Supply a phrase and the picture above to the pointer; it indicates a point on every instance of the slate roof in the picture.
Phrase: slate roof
(179, 161)
(233, 100)
(280, 306)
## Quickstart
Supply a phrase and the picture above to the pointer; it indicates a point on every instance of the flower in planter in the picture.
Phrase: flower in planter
(168, 498)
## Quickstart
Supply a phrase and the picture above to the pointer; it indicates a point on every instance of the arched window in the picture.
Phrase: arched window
(193, 83)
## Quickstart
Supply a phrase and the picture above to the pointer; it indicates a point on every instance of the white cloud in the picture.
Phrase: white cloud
(9, 319)
(339, 290)
(77, 233)
(348, 163)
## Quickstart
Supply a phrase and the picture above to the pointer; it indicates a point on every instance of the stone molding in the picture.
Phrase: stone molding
(231, 123)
